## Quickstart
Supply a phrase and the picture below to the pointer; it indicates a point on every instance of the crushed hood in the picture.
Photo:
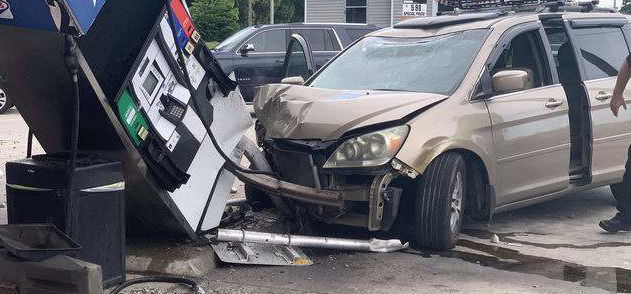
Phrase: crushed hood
(299, 112)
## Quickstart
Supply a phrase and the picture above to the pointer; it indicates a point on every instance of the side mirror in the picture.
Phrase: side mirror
(293, 80)
(246, 49)
(512, 80)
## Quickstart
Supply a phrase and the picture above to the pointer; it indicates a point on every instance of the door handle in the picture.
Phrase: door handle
(603, 96)
(553, 103)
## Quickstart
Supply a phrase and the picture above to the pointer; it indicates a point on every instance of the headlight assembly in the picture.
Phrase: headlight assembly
(369, 150)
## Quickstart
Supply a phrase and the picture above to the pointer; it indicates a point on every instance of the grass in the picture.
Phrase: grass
(212, 44)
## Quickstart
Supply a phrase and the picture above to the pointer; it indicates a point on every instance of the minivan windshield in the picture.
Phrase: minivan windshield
(433, 65)
(235, 39)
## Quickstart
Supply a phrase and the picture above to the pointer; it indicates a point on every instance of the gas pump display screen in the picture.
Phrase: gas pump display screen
(150, 83)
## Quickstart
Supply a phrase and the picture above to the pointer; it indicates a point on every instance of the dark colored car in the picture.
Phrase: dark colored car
(5, 102)
(256, 54)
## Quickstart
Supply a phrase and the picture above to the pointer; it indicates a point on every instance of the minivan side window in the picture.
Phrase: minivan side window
(525, 51)
(603, 51)
(272, 41)
(320, 39)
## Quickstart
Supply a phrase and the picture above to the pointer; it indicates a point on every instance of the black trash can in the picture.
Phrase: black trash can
(94, 217)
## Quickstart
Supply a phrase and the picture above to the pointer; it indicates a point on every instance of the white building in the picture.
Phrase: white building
(383, 13)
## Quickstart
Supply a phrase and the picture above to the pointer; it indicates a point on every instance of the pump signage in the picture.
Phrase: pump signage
(39, 14)
(5, 11)
(414, 9)
(28, 14)
(84, 12)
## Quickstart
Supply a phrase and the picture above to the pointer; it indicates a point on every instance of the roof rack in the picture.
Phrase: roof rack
(520, 6)
(441, 21)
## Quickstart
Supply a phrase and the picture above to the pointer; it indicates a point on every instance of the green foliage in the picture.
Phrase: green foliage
(285, 11)
(218, 19)
(212, 44)
(626, 7)
(215, 19)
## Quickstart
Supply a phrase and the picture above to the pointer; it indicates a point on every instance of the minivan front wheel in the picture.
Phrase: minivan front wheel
(439, 203)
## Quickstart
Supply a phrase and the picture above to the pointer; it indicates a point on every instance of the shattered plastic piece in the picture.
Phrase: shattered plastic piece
(372, 245)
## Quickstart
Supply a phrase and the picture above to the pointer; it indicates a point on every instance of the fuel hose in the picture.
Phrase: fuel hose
(160, 279)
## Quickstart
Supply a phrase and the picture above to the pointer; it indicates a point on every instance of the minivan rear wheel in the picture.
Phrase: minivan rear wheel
(439, 203)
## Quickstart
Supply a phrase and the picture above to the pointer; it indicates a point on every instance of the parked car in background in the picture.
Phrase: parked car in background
(5, 102)
(256, 54)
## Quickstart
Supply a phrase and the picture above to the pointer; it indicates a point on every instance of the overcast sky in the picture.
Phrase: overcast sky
(609, 3)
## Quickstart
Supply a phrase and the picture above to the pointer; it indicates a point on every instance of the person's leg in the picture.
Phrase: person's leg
(622, 193)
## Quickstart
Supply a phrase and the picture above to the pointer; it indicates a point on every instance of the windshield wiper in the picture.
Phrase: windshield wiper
(391, 90)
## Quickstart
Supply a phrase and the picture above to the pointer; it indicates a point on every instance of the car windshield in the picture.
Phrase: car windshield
(235, 39)
(433, 65)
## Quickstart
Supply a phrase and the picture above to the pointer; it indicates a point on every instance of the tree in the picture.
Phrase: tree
(285, 11)
(626, 7)
(215, 19)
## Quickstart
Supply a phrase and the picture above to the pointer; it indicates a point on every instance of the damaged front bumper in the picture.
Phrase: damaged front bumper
(362, 200)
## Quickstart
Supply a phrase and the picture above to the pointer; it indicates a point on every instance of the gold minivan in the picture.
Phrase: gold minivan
(437, 119)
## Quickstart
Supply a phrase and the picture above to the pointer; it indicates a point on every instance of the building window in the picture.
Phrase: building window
(356, 11)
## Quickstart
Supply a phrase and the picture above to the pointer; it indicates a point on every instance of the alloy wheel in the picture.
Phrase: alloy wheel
(3, 98)
(456, 202)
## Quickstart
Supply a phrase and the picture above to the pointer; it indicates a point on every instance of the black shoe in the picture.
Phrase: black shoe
(616, 224)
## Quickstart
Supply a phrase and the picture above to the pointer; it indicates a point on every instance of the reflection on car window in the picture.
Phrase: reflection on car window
(436, 64)
(603, 51)
(556, 38)
(269, 41)
(235, 39)
(319, 40)
(355, 34)
(523, 53)
(297, 62)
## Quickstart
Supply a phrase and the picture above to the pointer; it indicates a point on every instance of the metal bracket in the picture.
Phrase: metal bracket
(262, 254)
(377, 198)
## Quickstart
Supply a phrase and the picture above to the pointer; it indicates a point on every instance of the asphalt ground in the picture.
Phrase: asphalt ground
(554, 247)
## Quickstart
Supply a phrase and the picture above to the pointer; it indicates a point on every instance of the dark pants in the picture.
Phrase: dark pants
(623, 197)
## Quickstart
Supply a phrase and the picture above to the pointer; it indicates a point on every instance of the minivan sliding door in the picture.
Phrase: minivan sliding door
(601, 49)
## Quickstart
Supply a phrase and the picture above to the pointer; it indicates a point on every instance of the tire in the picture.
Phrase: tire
(5, 102)
(439, 203)
(256, 198)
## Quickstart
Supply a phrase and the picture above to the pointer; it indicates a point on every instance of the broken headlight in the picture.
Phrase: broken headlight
(373, 149)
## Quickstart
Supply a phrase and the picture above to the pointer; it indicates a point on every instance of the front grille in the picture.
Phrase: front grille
(296, 167)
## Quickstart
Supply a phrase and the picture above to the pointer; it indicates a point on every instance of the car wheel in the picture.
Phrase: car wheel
(5, 103)
(439, 203)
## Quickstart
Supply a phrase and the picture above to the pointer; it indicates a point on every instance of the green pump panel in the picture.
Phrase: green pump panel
(132, 118)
